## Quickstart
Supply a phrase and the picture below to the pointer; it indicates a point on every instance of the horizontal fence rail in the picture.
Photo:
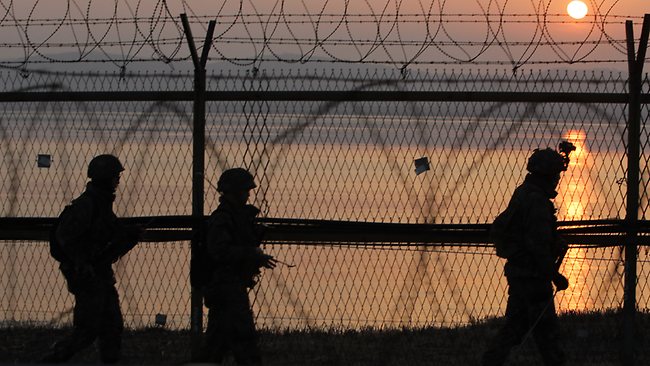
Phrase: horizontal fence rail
(587, 233)
(342, 96)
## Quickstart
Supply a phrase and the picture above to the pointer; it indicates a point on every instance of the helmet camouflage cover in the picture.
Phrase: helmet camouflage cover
(546, 162)
(235, 179)
(105, 166)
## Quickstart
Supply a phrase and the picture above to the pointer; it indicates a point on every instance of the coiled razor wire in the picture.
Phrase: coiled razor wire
(398, 33)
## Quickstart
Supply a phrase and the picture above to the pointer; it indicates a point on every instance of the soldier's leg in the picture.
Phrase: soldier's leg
(215, 342)
(222, 300)
(546, 337)
(541, 309)
(112, 326)
(512, 332)
(244, 337)
(86, 324)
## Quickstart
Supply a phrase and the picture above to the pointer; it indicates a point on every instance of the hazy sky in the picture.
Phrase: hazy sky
(397, 32)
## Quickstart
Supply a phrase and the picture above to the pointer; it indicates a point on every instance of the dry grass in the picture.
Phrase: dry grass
(590, 339)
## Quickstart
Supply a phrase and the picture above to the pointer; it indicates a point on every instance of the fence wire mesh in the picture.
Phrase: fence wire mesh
(351, 160)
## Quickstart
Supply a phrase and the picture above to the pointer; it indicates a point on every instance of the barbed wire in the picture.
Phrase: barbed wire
(251, 32)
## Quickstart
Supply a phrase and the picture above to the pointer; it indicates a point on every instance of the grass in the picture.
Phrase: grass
(589, 339)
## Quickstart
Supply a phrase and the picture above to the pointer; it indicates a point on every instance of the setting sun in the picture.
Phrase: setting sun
(577, 9)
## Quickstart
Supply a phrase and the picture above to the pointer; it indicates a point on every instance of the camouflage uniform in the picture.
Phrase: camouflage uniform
(233, 246)
(530, 272)
(92, 239)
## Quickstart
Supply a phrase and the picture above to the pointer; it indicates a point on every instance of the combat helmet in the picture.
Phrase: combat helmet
(104, 167)
(235, 179)
(547, 162)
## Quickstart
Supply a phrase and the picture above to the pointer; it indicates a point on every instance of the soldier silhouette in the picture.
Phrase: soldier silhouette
(87, 239)
(233, 249)
(534, 251)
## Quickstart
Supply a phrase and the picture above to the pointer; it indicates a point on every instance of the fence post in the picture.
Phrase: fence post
(198, 171)
(635, 66)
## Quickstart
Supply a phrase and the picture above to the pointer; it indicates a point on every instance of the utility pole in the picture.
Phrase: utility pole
(198, 171)
(635, 66)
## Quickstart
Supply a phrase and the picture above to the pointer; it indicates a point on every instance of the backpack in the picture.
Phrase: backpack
(201, 267)
(502, 234)
(56, 250)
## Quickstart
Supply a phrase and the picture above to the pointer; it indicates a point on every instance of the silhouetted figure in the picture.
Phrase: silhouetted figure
(233, 246)
(534, 251)
(87, 240)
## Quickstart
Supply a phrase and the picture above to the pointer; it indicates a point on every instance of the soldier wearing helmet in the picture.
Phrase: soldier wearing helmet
(90, 239)
(233, 247)
(535, 252)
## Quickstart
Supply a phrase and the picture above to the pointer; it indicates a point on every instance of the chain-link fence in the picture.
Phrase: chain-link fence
(347, 157)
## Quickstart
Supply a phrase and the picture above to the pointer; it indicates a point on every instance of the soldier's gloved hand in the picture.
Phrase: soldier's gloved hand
(561, 283)
(265, 260)
(268, 261)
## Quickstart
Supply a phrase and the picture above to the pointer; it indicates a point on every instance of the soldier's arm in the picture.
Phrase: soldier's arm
(73, 230)
(123, 239)
(539, 236)
(129, 237)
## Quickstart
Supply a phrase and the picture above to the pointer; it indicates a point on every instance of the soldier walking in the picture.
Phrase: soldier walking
(233, 247)
(534, 251)
(87, 240)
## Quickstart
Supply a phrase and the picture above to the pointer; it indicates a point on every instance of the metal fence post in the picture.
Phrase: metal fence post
(198, 171)
(635, 66)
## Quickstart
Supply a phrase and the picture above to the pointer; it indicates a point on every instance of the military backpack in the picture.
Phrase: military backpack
(56, 250)
(503, 232)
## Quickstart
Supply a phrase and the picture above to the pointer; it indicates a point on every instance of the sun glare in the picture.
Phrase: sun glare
(577, 9)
